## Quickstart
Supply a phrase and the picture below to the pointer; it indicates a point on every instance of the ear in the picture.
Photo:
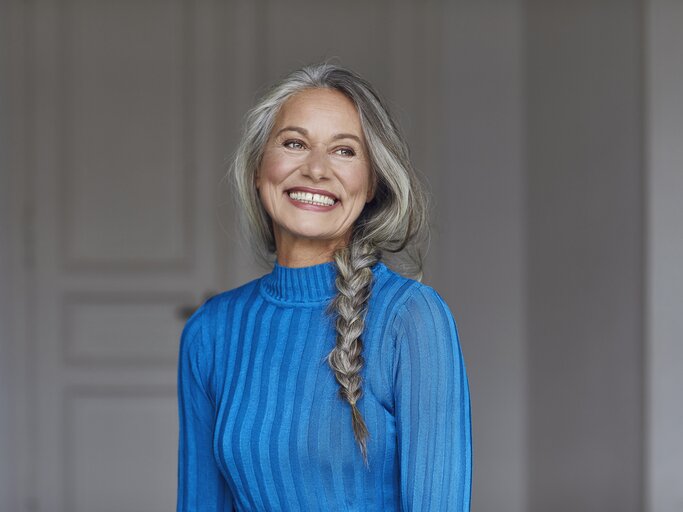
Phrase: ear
(257, 180)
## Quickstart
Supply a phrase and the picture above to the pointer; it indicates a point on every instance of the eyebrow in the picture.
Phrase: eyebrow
(303, 131)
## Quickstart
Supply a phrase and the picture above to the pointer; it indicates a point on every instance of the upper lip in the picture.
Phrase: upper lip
(314, 191)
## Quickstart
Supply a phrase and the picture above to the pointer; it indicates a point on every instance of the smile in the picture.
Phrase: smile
(309, 198)
(312, 202)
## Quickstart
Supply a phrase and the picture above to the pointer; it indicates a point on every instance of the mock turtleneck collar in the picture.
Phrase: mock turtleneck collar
(312, 284)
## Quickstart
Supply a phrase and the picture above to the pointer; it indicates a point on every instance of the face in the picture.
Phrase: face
(315, 147)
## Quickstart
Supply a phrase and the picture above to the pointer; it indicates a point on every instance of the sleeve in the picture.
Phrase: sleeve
(432, 407)
(201, 486)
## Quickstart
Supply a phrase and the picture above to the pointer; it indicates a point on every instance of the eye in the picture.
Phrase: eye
(347, 151)
(293, 144)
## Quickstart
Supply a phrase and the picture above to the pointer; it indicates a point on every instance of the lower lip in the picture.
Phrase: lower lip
(311, 207)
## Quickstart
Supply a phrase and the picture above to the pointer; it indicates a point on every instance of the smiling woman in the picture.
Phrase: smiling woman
(332, 382)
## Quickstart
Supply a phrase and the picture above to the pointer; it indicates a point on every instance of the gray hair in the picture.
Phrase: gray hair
(395, 220)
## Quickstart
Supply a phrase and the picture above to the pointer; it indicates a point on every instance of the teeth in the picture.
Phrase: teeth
(307, 197)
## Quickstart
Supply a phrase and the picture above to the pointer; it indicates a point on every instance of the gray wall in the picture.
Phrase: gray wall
(664, 136)
(478, 247)
(585, 240)
(7, 480)
(6, 477)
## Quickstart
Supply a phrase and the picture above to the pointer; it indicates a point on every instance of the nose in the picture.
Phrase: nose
(317, 164)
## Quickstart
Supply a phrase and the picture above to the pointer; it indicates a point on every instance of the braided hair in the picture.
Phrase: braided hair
(354, 285)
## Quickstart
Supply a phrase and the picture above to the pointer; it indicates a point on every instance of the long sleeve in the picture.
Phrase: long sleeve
(432, 407)
(201, 486)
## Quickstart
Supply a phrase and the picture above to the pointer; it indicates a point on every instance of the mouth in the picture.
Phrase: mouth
(312, 196)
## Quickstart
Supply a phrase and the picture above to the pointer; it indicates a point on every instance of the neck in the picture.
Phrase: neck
(299, 259)
(295, 252)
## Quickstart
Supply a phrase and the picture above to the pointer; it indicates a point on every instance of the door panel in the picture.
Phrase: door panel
(117, 455)
(126, 134)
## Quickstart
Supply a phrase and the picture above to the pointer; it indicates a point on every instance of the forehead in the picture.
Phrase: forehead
(320, 108)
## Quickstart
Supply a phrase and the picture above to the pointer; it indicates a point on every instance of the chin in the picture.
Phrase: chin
(310, 230)
(314, 233)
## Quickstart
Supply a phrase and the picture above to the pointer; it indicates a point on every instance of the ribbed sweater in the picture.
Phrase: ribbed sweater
(263, 428)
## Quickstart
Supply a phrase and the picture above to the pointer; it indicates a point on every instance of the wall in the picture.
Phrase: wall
(8, 481)
(664, 299)
(585, 239)
(6, 376)
(478, 247)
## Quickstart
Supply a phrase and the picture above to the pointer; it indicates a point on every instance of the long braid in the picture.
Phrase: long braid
(354, 284)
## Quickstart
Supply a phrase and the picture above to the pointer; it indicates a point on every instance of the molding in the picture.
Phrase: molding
(73, 393)
(71, 299)
(186, 46)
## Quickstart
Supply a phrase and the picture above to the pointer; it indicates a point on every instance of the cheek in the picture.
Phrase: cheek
(273, 169)
(358, 181)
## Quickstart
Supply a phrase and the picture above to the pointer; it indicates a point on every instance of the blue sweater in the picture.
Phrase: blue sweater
(262, 427)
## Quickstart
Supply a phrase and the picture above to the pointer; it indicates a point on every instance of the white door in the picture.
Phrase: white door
(128, 127)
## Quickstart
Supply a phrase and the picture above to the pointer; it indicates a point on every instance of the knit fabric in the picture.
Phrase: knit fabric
(262, 426)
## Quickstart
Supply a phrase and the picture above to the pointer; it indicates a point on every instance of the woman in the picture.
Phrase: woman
(332, 382)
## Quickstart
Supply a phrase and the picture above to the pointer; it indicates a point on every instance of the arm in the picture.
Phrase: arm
(432, 407)
(201, 486)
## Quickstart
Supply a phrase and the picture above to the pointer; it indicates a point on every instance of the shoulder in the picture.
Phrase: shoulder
(412, 301)
(424, 309)
(212, 313)
(215, 306)
(425, 334)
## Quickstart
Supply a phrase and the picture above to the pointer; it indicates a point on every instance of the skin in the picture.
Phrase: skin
(314, 157)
